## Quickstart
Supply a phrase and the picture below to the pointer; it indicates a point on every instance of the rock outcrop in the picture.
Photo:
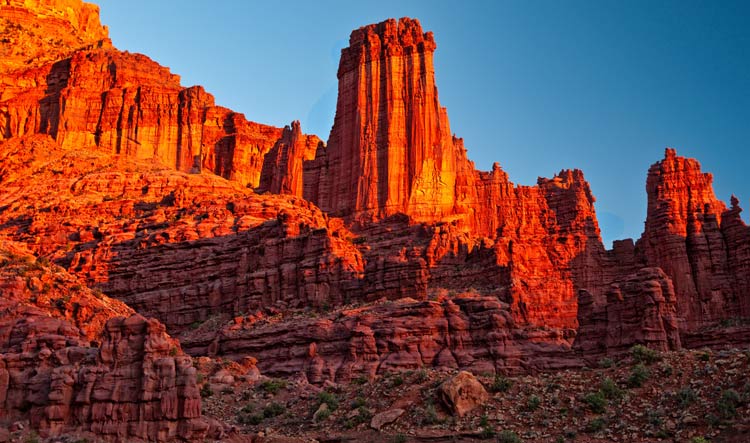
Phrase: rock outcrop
(130, 382)
(282, 171)
(390, 150)
(700, 244)
(179, 247)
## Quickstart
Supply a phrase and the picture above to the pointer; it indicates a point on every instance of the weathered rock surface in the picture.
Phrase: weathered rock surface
(135, 385)
(463, 393)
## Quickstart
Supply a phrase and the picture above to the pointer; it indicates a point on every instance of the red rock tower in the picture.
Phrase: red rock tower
(390, 148)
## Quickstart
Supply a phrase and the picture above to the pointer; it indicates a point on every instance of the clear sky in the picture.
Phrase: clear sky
(538, 86)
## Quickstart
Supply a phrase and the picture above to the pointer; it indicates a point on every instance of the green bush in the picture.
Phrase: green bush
(430, 416)
(638, 375)
(727, 404)
(606, 363)
(206, 391)
(609, 389)
(273, 410)
(596, 425)
(533, 403)
(596, 402)
(329, 399)
(273, 386)
(686, 396)
(642, 354)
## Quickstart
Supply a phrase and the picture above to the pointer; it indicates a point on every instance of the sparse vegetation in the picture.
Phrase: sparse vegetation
(329, 399)
(273, 409)
(206, 391)
(595, 425)
(686, 397)
(609, 389)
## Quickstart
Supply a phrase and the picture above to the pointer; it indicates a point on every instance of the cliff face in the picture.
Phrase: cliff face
(700, 244)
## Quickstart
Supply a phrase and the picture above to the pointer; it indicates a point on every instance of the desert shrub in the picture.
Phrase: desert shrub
(359, 402)
(273, 386)
(596, 402)
(686, 397)
(273, 410)
(328, 398)
(727, 404)
(206, 391)
(638, 375)
(429, 414)
(642, 354)
(596, 425)
(609, 389)
(606, 363)
(420, 376)
(533, 403)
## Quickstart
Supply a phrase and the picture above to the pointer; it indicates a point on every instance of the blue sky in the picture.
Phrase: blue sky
(538, 86)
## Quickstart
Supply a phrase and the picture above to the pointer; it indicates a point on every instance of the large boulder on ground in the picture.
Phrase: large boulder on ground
(462, 393)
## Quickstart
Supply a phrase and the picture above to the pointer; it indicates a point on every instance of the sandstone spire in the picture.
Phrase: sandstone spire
(390, 148)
